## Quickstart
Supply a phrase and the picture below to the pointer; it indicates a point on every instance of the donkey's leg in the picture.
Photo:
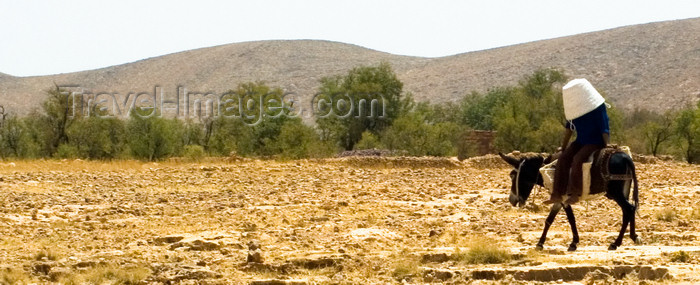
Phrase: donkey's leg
(548, 222)
(627, 214)
(574, 231)
(633, 234)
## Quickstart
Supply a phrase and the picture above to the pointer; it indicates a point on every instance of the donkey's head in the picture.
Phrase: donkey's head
(525, 175)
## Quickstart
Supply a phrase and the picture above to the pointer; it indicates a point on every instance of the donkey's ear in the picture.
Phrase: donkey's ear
(510, 160)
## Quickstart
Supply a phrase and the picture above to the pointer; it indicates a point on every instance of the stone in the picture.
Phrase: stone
(85, 264)
(487, 274)
(369, 234)
(597, 275)
(168, 239)
(320, 219)
(42, 268)
(435, 257)
(197, 244)
(318, 262)
(438, 275)
(254, 256)
(651, 273)
(253, 245)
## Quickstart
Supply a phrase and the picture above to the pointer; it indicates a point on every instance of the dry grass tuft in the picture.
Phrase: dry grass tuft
(695, 213)
(406, 269)
(680, 256)
(46, 254)
(483, 253)
(108, 274)
(14, 276)
(667, 214)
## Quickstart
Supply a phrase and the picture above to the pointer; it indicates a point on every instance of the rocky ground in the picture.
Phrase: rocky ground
(337, 221)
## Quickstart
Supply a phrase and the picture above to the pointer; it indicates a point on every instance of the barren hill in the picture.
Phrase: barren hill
(652, 66)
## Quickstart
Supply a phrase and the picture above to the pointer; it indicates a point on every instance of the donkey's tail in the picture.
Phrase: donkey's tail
(635, 193)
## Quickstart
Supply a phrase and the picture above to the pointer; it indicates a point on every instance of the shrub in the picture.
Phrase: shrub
(368, 141)
(465, 147)
(192, 133)
(483, 253)
(67, 151)
(418, 136)
(194, 152)
(297, 140)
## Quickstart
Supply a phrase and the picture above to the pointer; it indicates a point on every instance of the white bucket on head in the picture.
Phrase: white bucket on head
(580, 98)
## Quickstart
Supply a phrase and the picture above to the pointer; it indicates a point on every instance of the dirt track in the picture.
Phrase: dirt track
(347, 220)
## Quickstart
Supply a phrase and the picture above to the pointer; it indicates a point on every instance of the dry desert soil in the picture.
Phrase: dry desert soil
(333, 221)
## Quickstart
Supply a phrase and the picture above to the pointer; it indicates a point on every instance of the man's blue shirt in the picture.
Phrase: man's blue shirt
(591, 126)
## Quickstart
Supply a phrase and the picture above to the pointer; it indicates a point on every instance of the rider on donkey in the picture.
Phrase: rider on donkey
(585, 112)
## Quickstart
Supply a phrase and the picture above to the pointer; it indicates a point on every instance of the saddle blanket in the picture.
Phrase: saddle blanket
(547, 172)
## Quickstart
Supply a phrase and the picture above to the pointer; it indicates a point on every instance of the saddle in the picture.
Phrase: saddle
(600, 174)
(596, 174)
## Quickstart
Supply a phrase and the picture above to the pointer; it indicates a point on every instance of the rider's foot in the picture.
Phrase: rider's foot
(553, 199)
(572, 199)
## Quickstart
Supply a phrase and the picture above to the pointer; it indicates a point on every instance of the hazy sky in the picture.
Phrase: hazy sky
(46, 37)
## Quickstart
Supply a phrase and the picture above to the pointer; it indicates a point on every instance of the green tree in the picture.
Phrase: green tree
(254, 125)
(688, 131)
(477, 111)
(658, 132)
(153, 138)
(513, 131)
(97, 138)
(418, 136)
(530, 117)
(192, 133)
(226, 136)
(58, 117)
(297, 140)
(19, 140)
(269, 116)
(642, 130)
(35, 138)
(368, 98)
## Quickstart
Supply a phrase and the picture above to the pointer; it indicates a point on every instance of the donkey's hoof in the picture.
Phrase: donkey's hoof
(637, 239)
(539, 247)
(613, 247)
(572, 247)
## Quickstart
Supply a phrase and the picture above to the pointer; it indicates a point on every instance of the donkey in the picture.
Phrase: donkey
(620, 167)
